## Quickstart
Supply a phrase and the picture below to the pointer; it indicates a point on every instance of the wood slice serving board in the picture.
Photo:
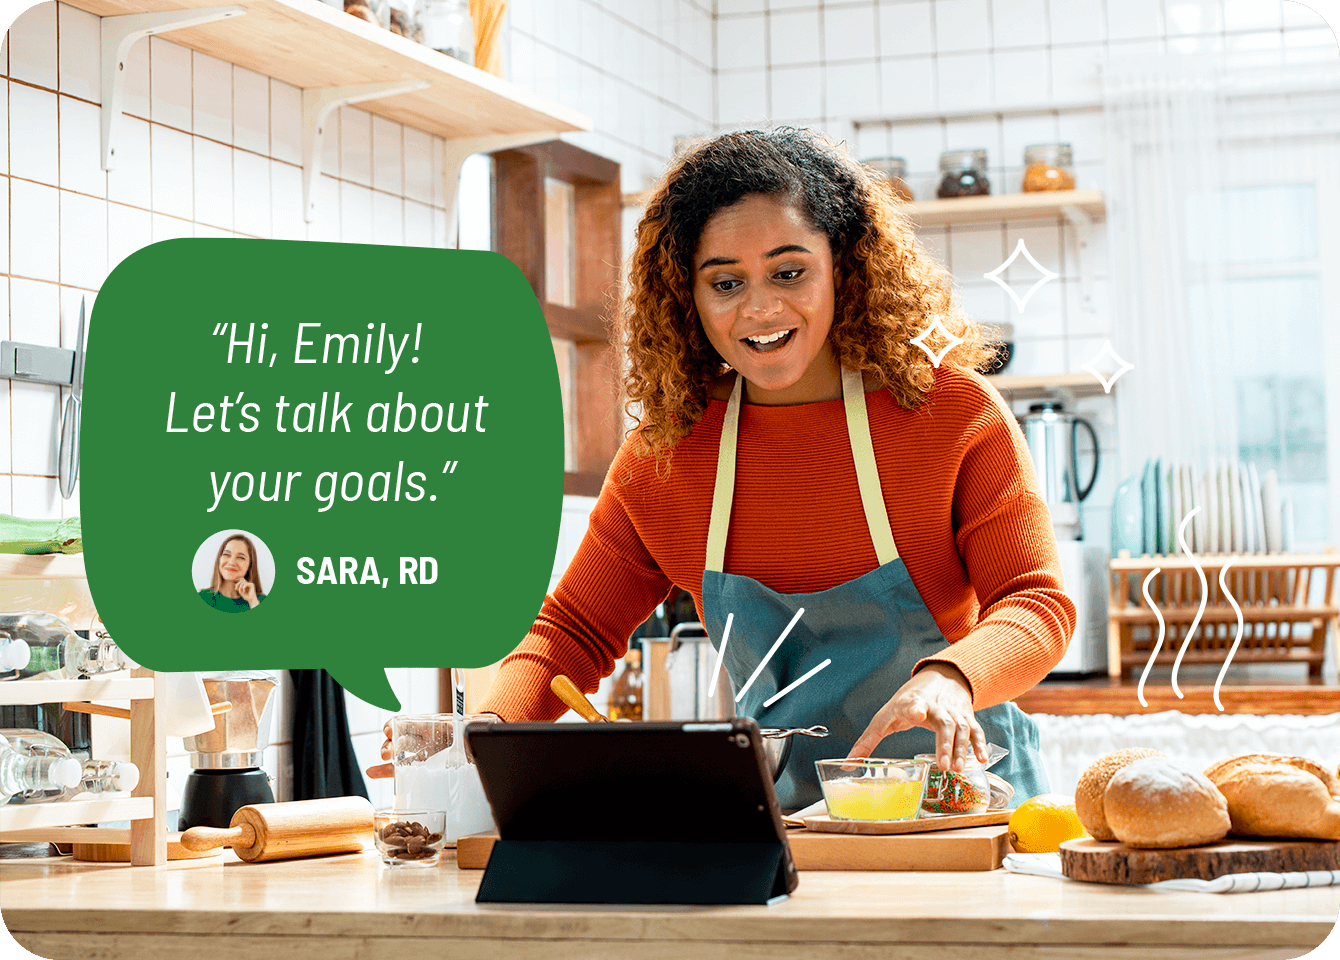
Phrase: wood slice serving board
(1094, 860)
(974, 848)
(826, 824)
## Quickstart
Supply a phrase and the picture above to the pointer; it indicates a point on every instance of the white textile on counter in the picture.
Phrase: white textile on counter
(1070, 743)
(1049, 865)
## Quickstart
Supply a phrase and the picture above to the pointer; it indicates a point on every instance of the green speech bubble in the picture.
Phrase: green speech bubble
(389, 426)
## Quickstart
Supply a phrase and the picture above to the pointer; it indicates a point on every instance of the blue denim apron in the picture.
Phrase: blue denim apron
(874, 629)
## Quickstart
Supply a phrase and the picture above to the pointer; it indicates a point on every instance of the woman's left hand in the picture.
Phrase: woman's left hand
(247, 591)
(938, 698)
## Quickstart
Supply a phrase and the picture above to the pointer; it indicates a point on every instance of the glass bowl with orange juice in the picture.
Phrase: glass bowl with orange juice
(872, 788)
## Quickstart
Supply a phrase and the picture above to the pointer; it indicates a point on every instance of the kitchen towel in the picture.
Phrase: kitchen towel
(1049, 865)
(324, 764)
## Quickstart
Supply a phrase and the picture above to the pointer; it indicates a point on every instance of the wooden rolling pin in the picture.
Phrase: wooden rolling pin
(299, 828)
(567, 691)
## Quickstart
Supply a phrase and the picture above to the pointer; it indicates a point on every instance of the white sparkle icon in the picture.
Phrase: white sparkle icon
(994, 275)
(951, 341)
(1100, 363)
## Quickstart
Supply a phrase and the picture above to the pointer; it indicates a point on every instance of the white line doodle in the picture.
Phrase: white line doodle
(1121, 366)
(1204, 598)
(791, 686)
(936, 326)
(1223, 585)
(1020, 248)
(721, 656)
(1140, 690)
(759, 669)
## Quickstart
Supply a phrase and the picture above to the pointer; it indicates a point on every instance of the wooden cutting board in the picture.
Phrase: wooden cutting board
(826, 824)
(120, 852)
(1094, 860)
(974, 848)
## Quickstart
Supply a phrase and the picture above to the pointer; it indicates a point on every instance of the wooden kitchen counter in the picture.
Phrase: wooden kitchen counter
(352, 908)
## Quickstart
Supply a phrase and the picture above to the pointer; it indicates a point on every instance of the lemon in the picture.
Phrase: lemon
(1040, 825)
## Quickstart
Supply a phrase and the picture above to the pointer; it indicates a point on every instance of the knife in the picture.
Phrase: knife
(68, 463)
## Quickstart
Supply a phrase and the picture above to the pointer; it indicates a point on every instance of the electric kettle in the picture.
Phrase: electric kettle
(1050, 433)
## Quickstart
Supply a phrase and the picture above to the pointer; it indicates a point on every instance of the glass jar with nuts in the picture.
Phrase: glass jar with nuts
(409, 836)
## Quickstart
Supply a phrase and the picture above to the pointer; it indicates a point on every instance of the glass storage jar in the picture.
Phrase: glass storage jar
(894, 170)
(954, 793)
(963, 174)
(447, 28)
(1048, 166)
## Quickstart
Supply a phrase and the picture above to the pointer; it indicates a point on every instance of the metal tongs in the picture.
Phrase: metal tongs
(68, 463)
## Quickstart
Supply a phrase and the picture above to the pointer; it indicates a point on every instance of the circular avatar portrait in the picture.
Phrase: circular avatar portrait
(233, 570)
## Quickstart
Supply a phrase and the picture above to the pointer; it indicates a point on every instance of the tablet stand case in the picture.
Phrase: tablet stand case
(555, 822)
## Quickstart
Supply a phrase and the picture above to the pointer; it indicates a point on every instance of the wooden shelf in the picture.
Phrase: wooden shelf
(1078, 384)
(57, 691)
(1105, 696)
(310, 44)
(42, 566)
(34, 816)
(1051, 205)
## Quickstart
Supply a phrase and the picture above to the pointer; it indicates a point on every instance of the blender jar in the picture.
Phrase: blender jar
(433, 771)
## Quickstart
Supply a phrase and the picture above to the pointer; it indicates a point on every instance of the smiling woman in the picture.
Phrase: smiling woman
(806, 471)
(235, 575)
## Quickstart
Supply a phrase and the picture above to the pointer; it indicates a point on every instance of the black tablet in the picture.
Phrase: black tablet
(662, 812)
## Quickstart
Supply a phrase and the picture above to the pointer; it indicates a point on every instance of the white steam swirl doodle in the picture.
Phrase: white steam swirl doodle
(1204, 596)
(1223, 585)
(1140, 690)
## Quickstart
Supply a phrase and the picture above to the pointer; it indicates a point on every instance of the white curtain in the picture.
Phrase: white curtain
(1184, 135)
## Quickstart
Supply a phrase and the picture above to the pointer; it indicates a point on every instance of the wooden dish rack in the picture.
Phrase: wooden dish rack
(1275, 593)
(146, 807)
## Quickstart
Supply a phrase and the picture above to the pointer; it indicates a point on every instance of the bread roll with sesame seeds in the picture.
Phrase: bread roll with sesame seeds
(1093, 784)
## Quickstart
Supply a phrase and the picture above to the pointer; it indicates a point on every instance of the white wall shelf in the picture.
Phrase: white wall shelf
(43, 566)
(1052, 205)
(93, 688)
(34, 816)
(1074, 384)
(313, 46)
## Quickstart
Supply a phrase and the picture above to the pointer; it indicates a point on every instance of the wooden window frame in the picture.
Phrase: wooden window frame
(519, 234)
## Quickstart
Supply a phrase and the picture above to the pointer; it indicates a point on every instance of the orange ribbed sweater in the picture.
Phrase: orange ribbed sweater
(963, 504)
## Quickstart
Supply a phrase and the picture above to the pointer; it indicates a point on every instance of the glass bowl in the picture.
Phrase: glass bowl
(952, 793)
(864, 788)
(409, 836)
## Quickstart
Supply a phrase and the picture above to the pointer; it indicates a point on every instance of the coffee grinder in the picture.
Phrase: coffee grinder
(226, 769)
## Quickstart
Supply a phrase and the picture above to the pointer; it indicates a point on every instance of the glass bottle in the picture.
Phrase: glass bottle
(21, 774)
(14, 653)
(626, 697)
(94, 776)
(57, 652)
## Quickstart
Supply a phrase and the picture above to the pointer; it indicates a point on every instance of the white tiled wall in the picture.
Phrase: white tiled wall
(206, 149)
(835, 64)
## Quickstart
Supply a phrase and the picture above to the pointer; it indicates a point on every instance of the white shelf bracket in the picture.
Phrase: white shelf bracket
(457, 151)
(121, 33)
(317, 105)
(1083, 224)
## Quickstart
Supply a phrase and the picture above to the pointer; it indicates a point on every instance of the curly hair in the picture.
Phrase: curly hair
(888, 289)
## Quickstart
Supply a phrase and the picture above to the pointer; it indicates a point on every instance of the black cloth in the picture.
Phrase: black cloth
(324, 764)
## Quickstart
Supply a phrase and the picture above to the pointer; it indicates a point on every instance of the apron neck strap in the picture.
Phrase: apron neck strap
(863, 453)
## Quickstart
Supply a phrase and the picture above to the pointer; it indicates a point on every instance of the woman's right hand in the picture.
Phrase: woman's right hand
(383, 771)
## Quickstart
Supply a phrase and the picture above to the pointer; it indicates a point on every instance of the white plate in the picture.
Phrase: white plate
(1225, 508)
(1270, 508)
(1179, 509)
(1210, 494)
(1258, 507)
(1235, 507)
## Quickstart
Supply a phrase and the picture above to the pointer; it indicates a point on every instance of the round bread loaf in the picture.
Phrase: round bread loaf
(1272, 795)
(1159, 803)
(1093, 784)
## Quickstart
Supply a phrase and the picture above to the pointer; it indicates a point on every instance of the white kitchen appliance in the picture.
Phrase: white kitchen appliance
(1084, 570)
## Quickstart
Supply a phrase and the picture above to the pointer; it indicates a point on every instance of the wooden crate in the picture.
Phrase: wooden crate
(1280, 623)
